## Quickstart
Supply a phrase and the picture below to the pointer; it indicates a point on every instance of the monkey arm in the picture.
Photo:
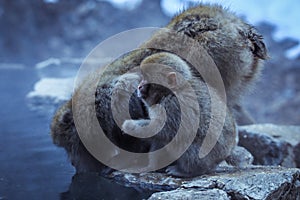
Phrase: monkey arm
(135, 127)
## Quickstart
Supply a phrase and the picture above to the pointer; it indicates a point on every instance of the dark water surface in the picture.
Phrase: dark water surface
(31, 167)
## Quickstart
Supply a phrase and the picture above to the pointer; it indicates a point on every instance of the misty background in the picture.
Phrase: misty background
(42, 45)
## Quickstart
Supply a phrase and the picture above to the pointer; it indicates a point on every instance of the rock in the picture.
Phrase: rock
(297, 153)
(191, 194)
(240, 157)
(148, 181)
(253, 182)
(272, 144)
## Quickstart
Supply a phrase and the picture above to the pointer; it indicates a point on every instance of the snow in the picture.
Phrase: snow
(124, 4)
(58, 89)
(51, 1)
(46, 63)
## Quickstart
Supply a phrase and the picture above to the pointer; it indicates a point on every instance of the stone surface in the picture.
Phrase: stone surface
(272, 144)
(253, 182)
(148, 181)
(191, 194)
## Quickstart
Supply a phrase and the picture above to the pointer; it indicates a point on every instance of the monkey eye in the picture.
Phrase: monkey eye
(140, 86)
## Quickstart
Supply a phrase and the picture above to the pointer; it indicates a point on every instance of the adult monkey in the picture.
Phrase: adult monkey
(235, 47)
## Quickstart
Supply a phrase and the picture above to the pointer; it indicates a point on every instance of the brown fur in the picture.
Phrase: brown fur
(235, 47)
(189, 164)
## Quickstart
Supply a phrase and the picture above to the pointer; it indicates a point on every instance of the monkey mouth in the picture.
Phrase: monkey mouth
(139, 94)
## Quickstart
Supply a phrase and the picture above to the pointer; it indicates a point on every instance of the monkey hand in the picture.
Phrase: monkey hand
(135, 127)
(129, 126)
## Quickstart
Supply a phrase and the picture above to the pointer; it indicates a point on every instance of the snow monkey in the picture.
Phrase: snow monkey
(189, 164)
(236, 48)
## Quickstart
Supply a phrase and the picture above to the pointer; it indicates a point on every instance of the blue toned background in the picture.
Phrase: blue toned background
(42, 44)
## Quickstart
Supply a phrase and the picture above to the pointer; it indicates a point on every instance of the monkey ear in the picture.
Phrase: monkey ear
(259, 48)
(171, 78)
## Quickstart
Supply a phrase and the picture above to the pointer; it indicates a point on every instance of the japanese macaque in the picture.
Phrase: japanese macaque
(237, 50)
(189, 164)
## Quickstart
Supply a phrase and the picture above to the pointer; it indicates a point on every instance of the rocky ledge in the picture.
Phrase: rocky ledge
(271, 146)
(252, 182)
(255, 182)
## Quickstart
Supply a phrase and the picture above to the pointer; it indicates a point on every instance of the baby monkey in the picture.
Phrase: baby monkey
(179, 81)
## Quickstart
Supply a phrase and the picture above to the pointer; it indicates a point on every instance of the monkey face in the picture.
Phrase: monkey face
(152, 93)
(143, 89)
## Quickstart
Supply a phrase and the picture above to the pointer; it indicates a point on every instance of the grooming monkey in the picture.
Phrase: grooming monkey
(189, 164)
(235, 47)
